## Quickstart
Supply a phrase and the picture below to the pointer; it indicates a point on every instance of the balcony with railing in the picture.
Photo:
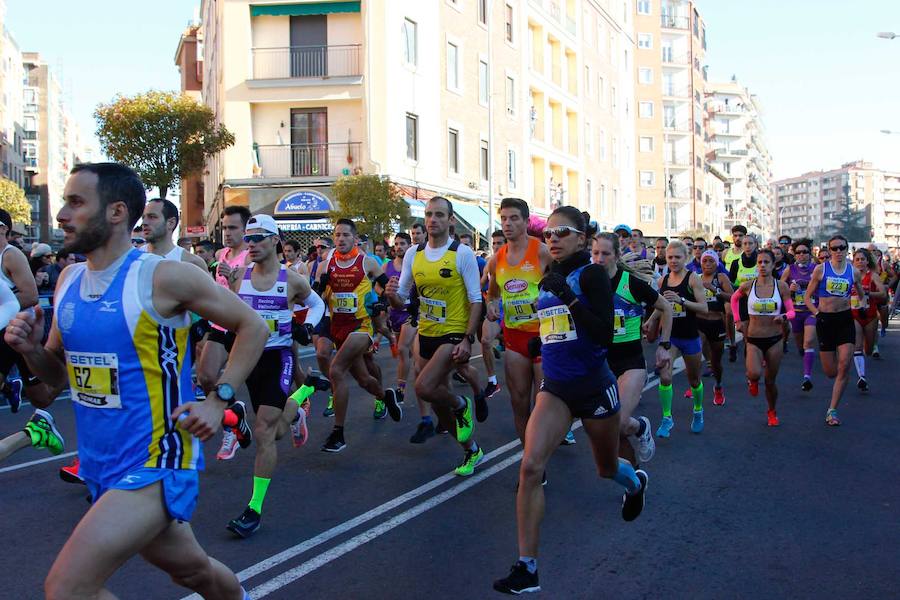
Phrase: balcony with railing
(677, 91)
(291, 161)
(29, 134)
(307, 62)
(670, 58)
(674, 22)
(676, 126)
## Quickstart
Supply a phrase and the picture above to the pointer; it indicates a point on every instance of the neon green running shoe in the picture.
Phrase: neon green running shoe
(329, 409)
(41, 428)
(469, 462)
(380, 410)
(464, 422)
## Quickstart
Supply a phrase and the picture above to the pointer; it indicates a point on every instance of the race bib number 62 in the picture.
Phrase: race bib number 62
(94, 379)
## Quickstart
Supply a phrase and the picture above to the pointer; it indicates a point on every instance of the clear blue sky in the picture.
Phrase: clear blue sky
(827, 83)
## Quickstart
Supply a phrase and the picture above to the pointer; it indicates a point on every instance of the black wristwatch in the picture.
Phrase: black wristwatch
(225, 393)
(470, 338)
(666, 345)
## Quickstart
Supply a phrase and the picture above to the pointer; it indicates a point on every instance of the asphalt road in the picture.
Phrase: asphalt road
(740, 511)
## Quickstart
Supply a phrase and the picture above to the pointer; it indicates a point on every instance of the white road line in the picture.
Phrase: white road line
(355, 542)
(367, 536)
(37, 462)
(61, 397)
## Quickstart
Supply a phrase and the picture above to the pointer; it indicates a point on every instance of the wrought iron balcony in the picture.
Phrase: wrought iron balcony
(673, 22)
(285, 161)
(307, 62)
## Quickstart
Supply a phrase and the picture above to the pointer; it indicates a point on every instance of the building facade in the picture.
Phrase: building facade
(475, 100)
(670, 77)
(737, 148)
(806, 204)
(188, 60)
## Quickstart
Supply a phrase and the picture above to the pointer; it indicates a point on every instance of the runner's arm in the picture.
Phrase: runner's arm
(195, 260)
(20, 274)
(303, 294)
(727, 288)
(493, 291)
(697, 288)
(468, 270)
(398, 298)
(598, 319)
(9, 305)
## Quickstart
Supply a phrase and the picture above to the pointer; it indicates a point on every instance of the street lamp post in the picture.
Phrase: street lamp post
(886, 35)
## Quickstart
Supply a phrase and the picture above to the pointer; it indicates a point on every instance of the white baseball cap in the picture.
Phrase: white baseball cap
(264, 222)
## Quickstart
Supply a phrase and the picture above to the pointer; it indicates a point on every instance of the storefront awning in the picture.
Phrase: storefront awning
(416, 208)
(304, 224)
(303, 8)
(473, 216)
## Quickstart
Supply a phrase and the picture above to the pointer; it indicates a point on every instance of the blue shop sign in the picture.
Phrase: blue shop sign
(303, 202)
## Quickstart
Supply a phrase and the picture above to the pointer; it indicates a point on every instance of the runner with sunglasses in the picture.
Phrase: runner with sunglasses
(832, 282)
(865, 313)
(626, 354)
(711, 324)
(682, 289)
(576, 330)
(729, 257)
(798, 276)
(768, 304)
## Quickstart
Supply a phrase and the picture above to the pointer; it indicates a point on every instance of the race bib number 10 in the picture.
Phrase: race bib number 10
(94, 379)
(520, 311)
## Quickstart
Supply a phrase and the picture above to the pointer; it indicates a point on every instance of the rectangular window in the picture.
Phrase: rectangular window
(648, 213)
(485, 160)
(587, 81)
(645, 109)
(601, 90)
(602, 199)
(511, 168)
(643, 7)
(602, 148)
(646, 143)
(483, 82)
(645, 41)
(410, 43)
(453, 150)
(510, 95)
(613, 99)
(482, 11)
(648, 179)
(588, 139)
(452, 66)
(509, 24)
(588, 193)
(412, 136)
(645, 76)
(615, 152)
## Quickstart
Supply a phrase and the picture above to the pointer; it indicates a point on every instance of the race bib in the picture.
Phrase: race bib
(557, 325)
(678, 310)
(435, 310)
(857, 304)
(94, 379)
(619, 322)
(346, 303)
(710, 295)
(799, 299)
(746, 276)
(764, 306)
(837, 286)
(521, 310)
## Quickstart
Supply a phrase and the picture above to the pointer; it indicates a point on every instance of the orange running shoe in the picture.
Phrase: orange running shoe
(772, 418)
(70, 474)
(753, 386)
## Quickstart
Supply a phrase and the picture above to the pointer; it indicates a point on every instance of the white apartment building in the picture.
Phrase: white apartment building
(442, 97)
(806, 204)
(13, 127)
(737, 149)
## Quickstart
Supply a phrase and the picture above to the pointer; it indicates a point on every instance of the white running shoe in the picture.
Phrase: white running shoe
(229, 445)
(299, 431)
(644, 446)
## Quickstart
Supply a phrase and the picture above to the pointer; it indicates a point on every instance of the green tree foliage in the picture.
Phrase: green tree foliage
(164, 136)
(13, 201)
(372, 202)
(850, 222)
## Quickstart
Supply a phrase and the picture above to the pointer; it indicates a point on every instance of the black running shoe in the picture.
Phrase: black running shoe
(317, 380)
(633, 505)
(335, 441)
(393, 406)
(481, 408)
(806, 385)
(519, 580)
(862, 384)
(246, 524)
(423, 432)
(732, 353)
(458, 377)
(400, 396)
(490, 389)
(242, 429)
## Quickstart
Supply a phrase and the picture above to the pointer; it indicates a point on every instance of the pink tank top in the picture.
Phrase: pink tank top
(236, 262)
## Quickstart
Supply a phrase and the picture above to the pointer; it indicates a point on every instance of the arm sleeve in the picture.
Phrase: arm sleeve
(736, 301)
(789, 308)
(598, 319)
(642, 291)
(316, 308)
(733, 270)
(468, 269)
(406, 278)
(9, 306)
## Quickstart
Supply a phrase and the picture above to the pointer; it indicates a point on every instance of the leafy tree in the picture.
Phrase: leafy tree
(372, 202)
(164, 136)
(13, 201)
(851, 223)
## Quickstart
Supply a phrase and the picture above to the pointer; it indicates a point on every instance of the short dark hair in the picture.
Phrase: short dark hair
(418, 226)
(699, 239)
(293, 244)
(349, 223)
(498, 233)
(205, 244)
(516, 203)
(784, 237)
(837, 236)
(234, 209)
(767, 251)
(117, 183)
(449, 204)
(169, 210)
(466, 235)
(404, 236)
(802, 242)
(739, 229)
(665, 239)
(640, 232)
(382, 244)
(63, 254)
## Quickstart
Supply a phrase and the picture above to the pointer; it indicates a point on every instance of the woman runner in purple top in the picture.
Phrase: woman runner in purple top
(803, 325)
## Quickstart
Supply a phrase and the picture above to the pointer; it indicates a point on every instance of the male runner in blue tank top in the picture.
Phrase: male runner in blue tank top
(119, 340)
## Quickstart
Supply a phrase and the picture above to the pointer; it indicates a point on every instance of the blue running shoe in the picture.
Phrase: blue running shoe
(665, 426)
(569, 440)
(15, 394)
(697, 422)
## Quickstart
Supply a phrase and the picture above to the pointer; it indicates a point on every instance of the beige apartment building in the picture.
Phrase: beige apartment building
(442, 97)
(806, 204)
(670, 76)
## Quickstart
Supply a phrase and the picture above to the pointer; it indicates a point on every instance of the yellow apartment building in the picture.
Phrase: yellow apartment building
(473, 99)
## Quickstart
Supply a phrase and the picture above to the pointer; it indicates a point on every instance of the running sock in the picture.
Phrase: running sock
(809, 357)
(626, 477)
(229, 419)
(859, 361)
(260, 487)
(665, 399)
(302, 394)
(530, 563)
(697, 393)
(492, 379)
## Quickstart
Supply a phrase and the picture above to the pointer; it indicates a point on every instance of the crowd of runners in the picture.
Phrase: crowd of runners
(154, 343)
